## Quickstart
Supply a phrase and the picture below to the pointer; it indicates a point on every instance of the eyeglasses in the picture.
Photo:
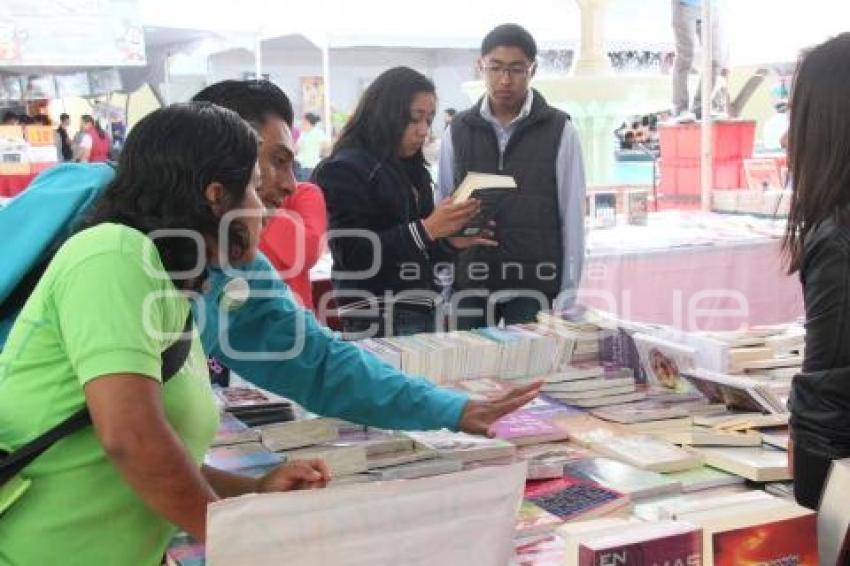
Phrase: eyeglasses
(497, 71)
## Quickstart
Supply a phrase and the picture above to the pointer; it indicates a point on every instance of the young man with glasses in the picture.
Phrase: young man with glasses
(540, 229)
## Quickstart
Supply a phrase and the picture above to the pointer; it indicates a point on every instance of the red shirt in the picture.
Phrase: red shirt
(99, 147)
(278, 242)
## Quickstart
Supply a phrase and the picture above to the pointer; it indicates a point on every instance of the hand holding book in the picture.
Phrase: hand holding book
(479, 416)
(449, 217)
(485, 238)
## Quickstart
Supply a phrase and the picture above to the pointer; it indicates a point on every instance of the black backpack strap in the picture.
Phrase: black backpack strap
(173, 359)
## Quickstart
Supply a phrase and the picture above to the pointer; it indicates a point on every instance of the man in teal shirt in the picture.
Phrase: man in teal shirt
(264, 337)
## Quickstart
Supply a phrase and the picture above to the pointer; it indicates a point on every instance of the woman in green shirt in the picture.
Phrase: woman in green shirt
(112, 299)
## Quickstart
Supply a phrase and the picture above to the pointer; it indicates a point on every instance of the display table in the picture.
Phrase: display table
(691, 270)
(11, 185)
(694, 271)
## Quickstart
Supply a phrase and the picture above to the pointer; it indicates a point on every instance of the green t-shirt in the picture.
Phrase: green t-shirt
(103, 306)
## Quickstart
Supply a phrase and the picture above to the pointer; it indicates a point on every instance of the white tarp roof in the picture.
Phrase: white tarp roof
(757, 31)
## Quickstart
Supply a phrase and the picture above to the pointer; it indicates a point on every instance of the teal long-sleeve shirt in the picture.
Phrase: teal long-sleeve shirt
(268, 340)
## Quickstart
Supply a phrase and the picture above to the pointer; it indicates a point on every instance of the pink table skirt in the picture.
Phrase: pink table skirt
(711, 288)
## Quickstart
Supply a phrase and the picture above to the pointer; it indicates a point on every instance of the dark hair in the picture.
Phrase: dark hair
(170, 157)
(63, 116)
(510, 35)
(312, 118)
(451, 111)
(818, 146)
(383, 113)
(87, 118)
(253, 100)
(9, 115)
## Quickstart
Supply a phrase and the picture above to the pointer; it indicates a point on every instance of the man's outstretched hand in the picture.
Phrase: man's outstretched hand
(479, 416)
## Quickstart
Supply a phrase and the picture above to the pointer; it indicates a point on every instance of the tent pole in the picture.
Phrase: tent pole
(706, 143)
(167, 94)
(326, 81)
(258, 56)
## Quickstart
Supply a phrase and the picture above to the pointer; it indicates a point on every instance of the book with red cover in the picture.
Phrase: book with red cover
(569, 498)
(792, 541)
(647, 544)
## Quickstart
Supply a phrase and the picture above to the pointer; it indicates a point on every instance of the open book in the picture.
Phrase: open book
(490, 190)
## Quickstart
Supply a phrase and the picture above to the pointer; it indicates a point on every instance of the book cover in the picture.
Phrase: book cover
(603, 209)
(762, 174)
(233, 431)
(183, 550)
(602, 401)
(373, 440)
(546, 461)
(704, 477)
(570, 498)
(792, 541)
(759, 464)
(341, 460)
(665, 361)
(481, 181)
(644, 411)
(650, 544)
(619, 349)
(462, 446)
(420, 469)
(250, 458)
(629, 480)
(522, 428)
(592, 384)
(648, 453)
(701, 436)
(532, 520)
(491, 201)
(736, 392)
(834, 515)
(540, 550)
(637, 208)
(297, 434)
(389, 459)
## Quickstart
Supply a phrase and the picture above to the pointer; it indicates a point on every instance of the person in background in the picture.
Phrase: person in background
(448, 116)
(817, 246)
(294, 239)
(688, 28)
(89, 335)
(511, 130)
(93, 145)
(311, 144)
(376, 181)
(10, 118)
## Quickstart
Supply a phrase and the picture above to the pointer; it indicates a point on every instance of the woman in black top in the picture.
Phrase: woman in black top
(817, 242)
(386, 237)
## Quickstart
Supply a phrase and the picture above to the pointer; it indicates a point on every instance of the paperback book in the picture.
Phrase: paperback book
(665, 362)
(571, 499)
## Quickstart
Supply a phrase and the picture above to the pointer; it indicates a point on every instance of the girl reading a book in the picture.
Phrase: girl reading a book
(380, 201)
(817, 244)
(92, 334)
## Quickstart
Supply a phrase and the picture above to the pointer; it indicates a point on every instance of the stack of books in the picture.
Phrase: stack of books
(254, 406)
(512, 352)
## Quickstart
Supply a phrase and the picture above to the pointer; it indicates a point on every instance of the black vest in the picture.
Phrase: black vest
(528, 224)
